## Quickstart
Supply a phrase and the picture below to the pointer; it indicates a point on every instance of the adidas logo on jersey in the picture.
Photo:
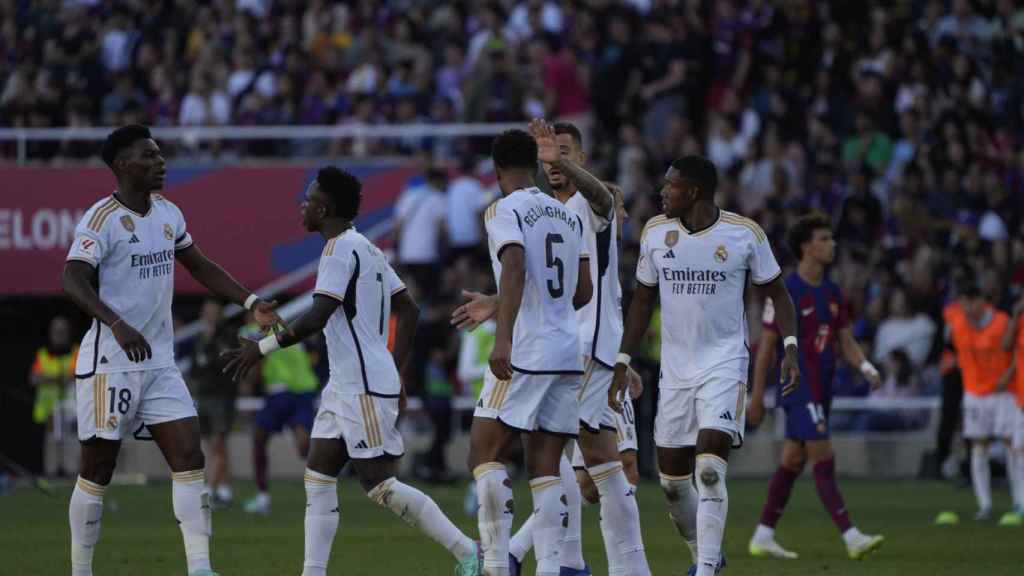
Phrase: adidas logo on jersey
(134, 240)
(670, 254)
(361, 445)
(726, 416)
(103, 360)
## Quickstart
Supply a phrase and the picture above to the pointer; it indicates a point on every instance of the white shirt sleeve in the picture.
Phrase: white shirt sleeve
(88, 246)
(333, 275)
(645, 272)
(392, 281)
(763, 266)
(504, 228)
(182, 239)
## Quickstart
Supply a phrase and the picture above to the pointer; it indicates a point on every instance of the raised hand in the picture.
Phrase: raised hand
(242, 359)
(547, 144)
(265, 314)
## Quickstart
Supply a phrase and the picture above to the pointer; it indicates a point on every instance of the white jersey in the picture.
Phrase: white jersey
(601, 319)
(356, 273)
(545, 339)
(134, 257)
(701, 278)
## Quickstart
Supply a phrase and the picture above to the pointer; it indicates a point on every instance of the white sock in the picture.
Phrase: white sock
(851, 535)
(571, 554)
(420, 511)
(494, 517)
(522, 541)
(1012, 475)
(84, 515)
(192, 509)
(682, 499)
(981, 476)
(764, 533)
(619, 505)
(711, 511)
(321, 521)
(552, 520)
(616, 566)
(224, 492)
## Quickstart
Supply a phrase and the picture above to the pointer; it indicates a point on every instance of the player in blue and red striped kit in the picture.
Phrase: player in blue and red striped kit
(823, 330)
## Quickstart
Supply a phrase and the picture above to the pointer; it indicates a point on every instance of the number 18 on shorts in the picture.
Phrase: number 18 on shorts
(113, 405)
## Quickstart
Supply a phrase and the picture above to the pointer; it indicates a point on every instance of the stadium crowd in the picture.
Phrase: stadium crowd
(901, 120)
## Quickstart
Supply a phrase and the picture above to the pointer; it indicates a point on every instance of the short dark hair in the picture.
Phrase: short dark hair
(344, 190)
(803, 231)
(120, 139)
(699, 170)
(515, 149)
(570, 129)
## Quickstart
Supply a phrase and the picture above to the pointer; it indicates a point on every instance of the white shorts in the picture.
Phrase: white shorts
(593, 397)
(116, 405)
(718, 404)
(530, 402)
(367, 424)
(625, 433)
(989, 417)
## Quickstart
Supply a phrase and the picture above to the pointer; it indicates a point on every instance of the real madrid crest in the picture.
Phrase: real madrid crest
(721, 254)
(168, 232)
(128, 223)
(671, 238)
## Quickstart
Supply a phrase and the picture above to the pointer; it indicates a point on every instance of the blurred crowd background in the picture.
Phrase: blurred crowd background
(902, 120)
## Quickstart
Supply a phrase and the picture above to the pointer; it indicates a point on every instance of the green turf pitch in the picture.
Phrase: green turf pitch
(140, 536)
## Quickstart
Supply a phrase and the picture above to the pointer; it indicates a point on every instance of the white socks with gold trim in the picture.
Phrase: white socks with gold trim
(191, 502)
(84, 515)
(321, 521)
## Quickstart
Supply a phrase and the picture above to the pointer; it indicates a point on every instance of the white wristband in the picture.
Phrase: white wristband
(268, 344)
(250, 301)
(789, 341)
(623, 358)
(867, 367)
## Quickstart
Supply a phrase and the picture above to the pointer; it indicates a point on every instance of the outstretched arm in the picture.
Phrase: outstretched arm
(217, 280)
(242, 359)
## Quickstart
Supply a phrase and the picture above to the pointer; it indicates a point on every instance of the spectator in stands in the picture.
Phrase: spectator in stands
(903, 330)
(53, 377)
(420, 229)
(216, 394)
(466, 199)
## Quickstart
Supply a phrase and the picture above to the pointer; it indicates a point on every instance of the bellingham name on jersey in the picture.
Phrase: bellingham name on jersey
(535, 213)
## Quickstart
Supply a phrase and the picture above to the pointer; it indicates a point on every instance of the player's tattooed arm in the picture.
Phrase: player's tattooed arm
(511, 284)
(785, 319)
(217, 280)
(591, 187)
(763, 364)
(637, 320)
(79, 281)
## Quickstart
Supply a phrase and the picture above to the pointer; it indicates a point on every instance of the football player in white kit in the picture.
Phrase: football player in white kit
(356, 291)
(120, 271)
(697, 259)
(537, 248)
(560, 149)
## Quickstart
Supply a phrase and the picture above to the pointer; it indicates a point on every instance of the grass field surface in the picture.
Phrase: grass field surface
(141, 537)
